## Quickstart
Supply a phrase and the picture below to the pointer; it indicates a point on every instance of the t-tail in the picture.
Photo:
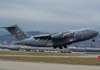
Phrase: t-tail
(17, 32)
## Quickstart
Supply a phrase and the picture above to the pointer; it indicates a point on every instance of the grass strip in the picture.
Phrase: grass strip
(36, 53)
(62, 60)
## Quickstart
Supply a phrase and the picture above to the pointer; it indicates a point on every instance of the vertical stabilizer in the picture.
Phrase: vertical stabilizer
(17, 32)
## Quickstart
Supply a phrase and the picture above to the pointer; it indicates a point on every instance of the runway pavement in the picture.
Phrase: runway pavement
(15, 65)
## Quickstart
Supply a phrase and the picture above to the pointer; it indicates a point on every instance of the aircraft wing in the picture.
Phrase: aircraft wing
(54, 36)
(45, 36)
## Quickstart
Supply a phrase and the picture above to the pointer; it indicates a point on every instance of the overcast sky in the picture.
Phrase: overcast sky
(50, 15)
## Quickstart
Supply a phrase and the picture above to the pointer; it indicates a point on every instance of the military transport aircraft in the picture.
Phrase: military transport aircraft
(56, 40)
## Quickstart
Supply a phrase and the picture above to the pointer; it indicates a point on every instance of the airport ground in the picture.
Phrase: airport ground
(60, 58)
(16, 65)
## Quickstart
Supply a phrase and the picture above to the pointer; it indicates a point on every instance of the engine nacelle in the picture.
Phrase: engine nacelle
(68, 35)
(57, 36)
(62, 35)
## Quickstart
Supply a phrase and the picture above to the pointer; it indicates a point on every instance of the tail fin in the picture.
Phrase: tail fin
(16, 32)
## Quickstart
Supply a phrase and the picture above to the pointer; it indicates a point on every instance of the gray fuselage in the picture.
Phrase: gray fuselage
(66, 38)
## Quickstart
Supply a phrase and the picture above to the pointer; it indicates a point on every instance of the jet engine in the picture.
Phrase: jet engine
(57, 36)
(68, 35)
(62, 35)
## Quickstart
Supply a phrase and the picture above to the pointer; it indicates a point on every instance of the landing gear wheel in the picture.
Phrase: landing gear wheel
(60, 47)
(65, 46)
(55, 47)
